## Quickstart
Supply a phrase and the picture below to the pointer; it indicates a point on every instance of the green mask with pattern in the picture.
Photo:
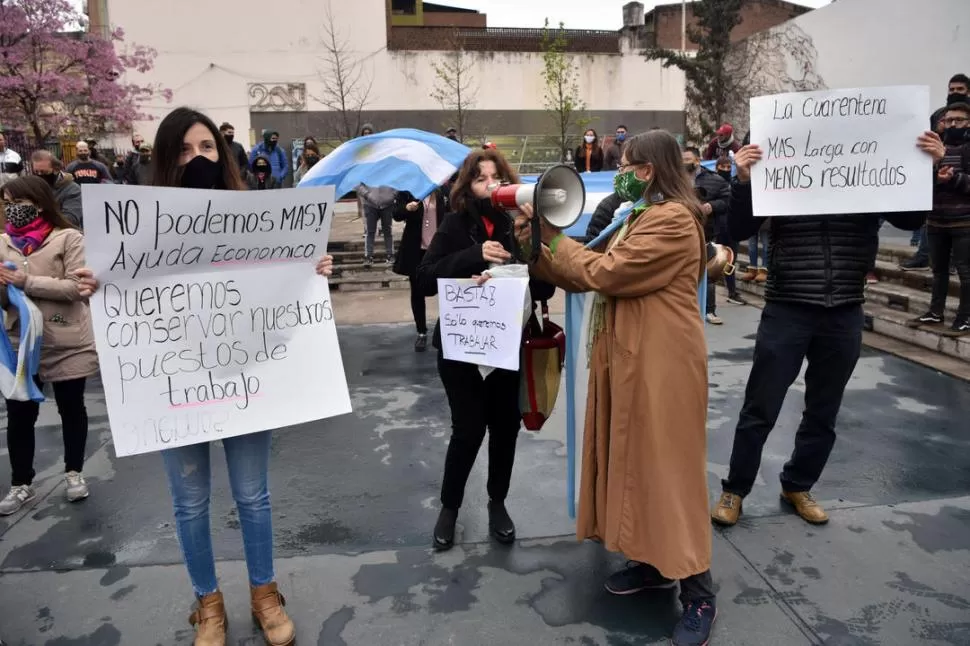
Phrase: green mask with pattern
(628, 186)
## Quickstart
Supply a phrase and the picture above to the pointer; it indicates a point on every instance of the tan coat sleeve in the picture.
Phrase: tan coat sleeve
(60, 289)
(654, 252)
(545, 269)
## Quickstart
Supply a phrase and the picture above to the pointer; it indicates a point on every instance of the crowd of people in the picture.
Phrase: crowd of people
(643, 488)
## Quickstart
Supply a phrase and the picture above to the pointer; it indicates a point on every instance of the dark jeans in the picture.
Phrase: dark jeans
(418, 307)
(371, 217)
(943, 243)
(830, 339)
(22, 417)
(477, 404)
(699, 587)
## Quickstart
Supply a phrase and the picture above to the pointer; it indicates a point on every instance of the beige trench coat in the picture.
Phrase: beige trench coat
(68, 350)
(644, 471)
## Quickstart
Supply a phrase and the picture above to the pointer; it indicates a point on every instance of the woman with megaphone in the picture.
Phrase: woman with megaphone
(644, 470)
(473, 237)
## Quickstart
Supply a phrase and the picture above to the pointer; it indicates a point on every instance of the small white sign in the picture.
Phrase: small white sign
(841, 151)
(482, 324)
(210, 320)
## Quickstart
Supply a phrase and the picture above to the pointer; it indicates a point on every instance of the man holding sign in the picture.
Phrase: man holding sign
(820, 253)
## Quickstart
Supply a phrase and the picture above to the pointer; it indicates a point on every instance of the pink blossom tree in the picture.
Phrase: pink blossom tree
(55, 78)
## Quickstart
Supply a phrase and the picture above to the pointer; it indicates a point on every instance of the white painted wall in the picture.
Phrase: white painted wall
(209, 53)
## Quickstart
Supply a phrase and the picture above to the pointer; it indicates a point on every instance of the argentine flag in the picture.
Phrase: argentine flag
(17, 369)
(579, 308)
(404, 159)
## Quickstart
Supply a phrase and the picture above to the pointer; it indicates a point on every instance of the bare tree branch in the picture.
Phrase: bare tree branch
(561, 78)
(346, 84)
(455, 87)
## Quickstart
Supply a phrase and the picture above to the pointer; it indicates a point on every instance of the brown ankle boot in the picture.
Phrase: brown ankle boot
(209, 620)
(268, 612)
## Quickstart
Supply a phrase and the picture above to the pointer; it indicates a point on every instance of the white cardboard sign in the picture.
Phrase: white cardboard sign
(210, 320)
(482, 324)
(841, 151)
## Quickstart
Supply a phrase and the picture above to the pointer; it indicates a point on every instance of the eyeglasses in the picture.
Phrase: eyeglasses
(955, 121)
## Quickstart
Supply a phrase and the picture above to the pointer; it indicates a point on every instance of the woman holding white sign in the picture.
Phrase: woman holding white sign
(190, 153)
(44, 249)
(644, 467)
(469, 240)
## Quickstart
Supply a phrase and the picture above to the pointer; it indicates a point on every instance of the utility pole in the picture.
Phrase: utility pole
(683, 25)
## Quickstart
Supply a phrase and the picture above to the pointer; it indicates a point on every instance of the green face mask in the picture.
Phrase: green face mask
(628, 186)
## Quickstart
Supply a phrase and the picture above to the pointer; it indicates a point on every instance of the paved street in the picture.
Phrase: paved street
(355, 500)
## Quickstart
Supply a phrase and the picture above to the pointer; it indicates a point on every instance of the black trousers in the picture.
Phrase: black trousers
(22, 418)
(699, 587)
(831, 340)
(476, 405)
(418, 307)
(943, 244)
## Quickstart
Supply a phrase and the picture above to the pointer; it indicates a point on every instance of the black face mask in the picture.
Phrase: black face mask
(271, 145)
(262, 169)
(84, 156)
(144, 158)
(202, 172)
(50, 178)
(229, 138)
(310, 161)
(956, 136)
(956, 97)
(726, 174)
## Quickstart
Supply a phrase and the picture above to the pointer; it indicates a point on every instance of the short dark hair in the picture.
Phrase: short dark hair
(39, 192)
(621, 126)
(226, 126)
(960, 78)
(168, 149)
(960, 106)
(693, 149)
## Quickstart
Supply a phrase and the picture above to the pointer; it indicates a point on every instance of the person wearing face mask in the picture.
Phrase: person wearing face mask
(271, 150)
(87, 170)
(589, 156)
(723, 143)
(144, 169)
(11, 165)
(958, 89)
(714, 194)
(238, 152)
(131, 160)
(261, 176)
(948, 224)
(611, 156)
(723, 234)
(46, 249)
(473, 236)
(644, 479)
(309, 158)
(66, 191)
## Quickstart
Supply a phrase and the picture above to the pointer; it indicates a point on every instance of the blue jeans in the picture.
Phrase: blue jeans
(190, 481)
(759, 238)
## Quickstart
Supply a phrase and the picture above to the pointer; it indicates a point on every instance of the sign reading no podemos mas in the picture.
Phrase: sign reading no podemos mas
(210, 321)
(482, 324)
(841, 151)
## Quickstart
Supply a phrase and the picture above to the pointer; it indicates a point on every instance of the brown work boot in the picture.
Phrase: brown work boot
(806, 507)
(209, 620)
(749, 275)
(268, 612)
(728, 510)
(762, 276)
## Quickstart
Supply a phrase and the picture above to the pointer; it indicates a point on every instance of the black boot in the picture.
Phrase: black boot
(444, 529)
(499, 523)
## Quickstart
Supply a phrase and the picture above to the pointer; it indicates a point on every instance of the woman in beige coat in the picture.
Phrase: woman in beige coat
(46, 250)
(644, 475)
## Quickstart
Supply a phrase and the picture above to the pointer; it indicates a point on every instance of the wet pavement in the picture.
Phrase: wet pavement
(354, 499)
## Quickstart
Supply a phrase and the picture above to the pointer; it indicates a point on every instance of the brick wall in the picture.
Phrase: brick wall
(499, 39)
(443, 19)
(757, 16)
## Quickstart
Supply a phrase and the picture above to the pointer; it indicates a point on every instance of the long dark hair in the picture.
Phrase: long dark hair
(167, 150)
(36, 190)
(659, 148)
(461, 191)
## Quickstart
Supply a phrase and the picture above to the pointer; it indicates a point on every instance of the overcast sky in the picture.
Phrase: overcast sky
(577, 14)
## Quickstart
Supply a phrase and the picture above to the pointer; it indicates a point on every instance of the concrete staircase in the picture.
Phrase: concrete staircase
(895, 300)
(350, 274)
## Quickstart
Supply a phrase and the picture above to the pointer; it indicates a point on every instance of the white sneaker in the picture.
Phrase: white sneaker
(15, 499)
(714, 319)
(77, 488)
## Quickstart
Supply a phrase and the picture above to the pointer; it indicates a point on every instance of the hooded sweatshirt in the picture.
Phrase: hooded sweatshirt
(259, 181)
(274, 153)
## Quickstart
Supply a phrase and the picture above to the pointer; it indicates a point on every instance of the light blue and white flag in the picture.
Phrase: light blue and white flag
(17, 369)
(579, 307)
(598, 186)
(404, 159)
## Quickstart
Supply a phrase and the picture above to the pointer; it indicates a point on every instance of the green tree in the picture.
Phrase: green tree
(711, 87)
(455, 88)
(561, 78)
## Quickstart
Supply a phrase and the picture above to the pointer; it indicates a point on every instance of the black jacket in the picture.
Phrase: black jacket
(815, 259)
(603, 215)
(595, 159)
(712, 188)
(409, 254)
(951, 201)
(456, 252)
